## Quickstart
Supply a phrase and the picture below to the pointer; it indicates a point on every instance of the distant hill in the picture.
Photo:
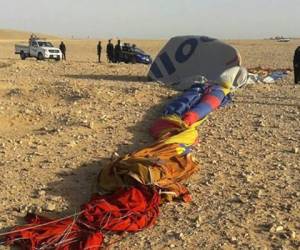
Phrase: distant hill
(6, 34)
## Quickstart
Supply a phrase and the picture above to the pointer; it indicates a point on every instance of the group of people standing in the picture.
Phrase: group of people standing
(113, 52)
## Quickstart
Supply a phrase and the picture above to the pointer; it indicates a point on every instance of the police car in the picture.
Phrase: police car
(132, 54)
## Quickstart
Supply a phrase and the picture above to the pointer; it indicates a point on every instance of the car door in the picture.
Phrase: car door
(34, 48)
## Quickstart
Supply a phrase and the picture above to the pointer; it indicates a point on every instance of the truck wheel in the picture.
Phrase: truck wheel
(40, 56)
(22, 55)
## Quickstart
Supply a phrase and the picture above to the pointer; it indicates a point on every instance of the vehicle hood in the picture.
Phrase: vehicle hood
(143, 54)
(47, 48)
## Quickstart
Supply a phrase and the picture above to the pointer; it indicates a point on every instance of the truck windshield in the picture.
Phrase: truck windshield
(45, 44)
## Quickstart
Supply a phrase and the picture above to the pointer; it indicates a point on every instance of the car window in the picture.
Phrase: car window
(137, 50)
(45, 44)
(34, 44)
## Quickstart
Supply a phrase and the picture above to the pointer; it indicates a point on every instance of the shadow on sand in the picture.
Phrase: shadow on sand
(279, 104)
(78, 185)
(277, 98)
(122, 78)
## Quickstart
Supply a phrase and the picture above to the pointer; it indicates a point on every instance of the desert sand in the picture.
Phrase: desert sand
(61, 121)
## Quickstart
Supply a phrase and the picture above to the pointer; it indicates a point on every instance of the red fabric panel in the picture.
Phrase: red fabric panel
(138, 208)
(213, 101)
(93, 241)
(59, 235)
(128, 210)
(160, 126)
(190, 118)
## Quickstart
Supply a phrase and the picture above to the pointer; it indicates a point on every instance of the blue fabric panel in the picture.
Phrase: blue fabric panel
(183, 103)
(202, 109)
(156, 71)
(217, 93)
(227, 100)
(167, 62)
(187, 149)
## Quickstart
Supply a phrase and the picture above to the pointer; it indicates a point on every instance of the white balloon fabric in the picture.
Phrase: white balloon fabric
(187, 57)
(233, 78)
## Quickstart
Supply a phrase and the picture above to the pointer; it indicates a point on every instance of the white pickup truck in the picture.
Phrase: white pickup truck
(39, 49)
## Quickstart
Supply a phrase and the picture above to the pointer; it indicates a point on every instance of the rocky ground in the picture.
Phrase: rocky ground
(61, 121)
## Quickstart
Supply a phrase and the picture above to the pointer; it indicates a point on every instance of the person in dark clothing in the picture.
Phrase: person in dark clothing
(297, 65)
(99, 49)
(62, 48)
(118, 51)
(110, 52)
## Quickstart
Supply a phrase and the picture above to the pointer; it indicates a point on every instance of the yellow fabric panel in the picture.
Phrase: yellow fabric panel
(227, 90)
(187, 137)
(175, 119)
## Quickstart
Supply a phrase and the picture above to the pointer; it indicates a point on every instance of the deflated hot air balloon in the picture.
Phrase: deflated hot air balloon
(185, 59)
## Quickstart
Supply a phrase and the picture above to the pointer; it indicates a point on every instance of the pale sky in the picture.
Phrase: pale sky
(153, 18)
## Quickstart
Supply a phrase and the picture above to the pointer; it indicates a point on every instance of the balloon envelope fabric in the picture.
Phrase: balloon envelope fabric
(162, 165)
(173, 129)
(210, 100)
(127, 210)
(135, 183)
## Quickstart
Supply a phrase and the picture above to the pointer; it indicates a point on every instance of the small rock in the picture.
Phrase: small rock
(261, 123)
(198, 221)
(27, 111)
(23, 209)
(233, 240)
(180, 236)
(55, 198)
(295, 150)
(19, 142)
(114, 156)
(172, 246)
(42, 193)
(248, 178)
(18, 213)
(50, 207)
(276, 229)
(292, 235)
(259, 193)
(236, 199)
(91, 125)
(72, 144)
(126, 142)
(279, 229)
(38, 209)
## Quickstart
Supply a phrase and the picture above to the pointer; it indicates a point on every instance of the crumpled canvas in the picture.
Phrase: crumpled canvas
(127, 210)
(159, 165)
(172, 129)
